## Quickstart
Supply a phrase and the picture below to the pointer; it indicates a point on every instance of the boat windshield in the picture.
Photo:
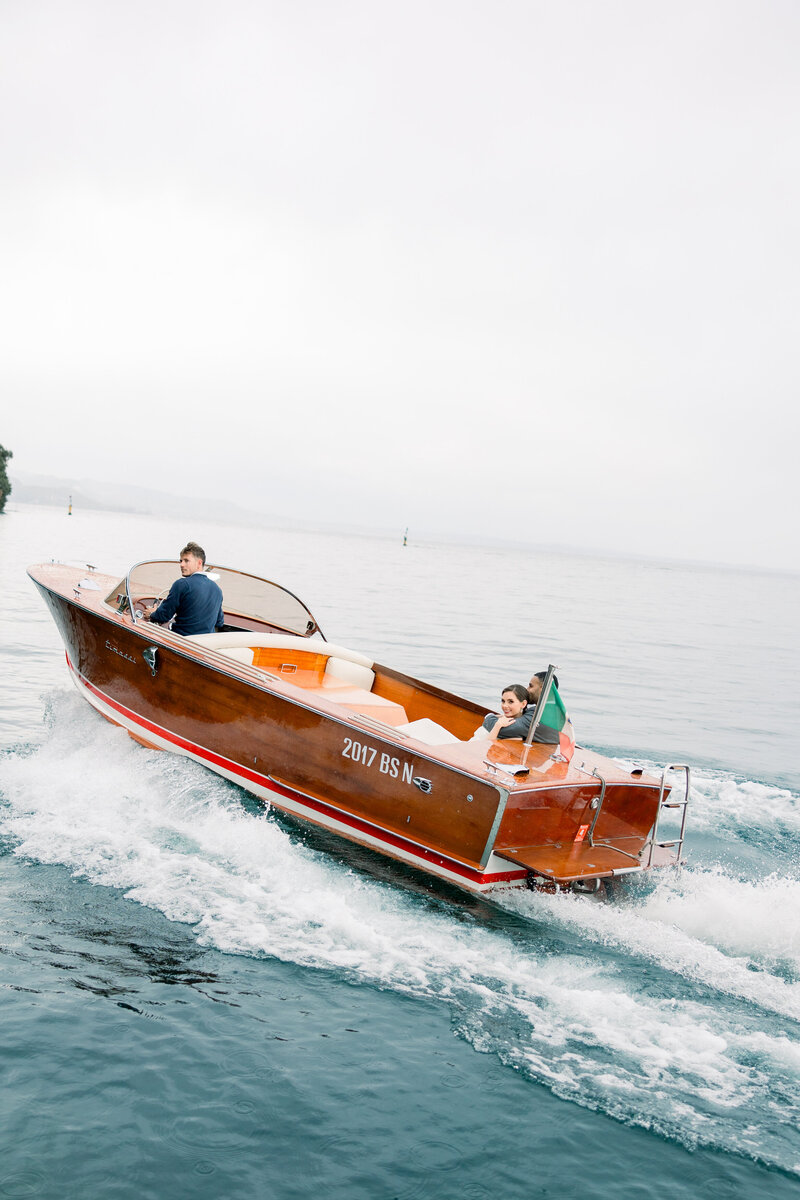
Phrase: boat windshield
(247, 601)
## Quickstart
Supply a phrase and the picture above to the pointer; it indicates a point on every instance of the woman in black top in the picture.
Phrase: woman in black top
(517, 714)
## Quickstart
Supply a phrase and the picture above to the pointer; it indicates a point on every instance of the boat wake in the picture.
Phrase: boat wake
(676, 1008)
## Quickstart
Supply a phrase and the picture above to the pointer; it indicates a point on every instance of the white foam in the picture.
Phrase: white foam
(718, 799)
(740, 938)
(719, 802)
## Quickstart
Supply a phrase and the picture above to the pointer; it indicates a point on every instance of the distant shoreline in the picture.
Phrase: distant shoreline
(57, 498)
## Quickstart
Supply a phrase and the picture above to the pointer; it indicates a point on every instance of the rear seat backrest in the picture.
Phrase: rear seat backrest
(350, 672)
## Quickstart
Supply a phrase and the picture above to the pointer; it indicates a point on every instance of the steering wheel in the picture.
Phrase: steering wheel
(146, 601)
(143, 602)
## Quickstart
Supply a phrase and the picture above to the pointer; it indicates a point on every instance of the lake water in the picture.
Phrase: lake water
(201, 999)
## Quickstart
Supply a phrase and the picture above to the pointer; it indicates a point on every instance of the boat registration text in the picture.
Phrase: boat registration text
(369, 756)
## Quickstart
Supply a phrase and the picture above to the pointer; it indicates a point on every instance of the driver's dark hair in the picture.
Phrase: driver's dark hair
(519, 691)
(542, 675)
(197, 551)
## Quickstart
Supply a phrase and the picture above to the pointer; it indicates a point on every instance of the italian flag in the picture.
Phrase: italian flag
(555, 716)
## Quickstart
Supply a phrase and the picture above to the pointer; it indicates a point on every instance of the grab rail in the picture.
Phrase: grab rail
(596, 804)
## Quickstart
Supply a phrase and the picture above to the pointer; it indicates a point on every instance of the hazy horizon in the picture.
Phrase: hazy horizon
(207, 509)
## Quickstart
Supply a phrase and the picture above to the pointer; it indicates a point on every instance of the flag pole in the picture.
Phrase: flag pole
(540, 703)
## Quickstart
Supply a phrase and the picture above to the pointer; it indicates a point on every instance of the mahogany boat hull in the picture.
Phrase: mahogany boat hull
(452, 811)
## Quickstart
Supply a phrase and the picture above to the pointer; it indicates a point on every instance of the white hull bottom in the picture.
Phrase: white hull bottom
(498, 873)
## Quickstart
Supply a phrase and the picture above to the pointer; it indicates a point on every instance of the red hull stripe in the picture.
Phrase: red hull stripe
(376, 832)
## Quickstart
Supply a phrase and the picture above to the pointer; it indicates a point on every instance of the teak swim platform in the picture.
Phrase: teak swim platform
(326, 734)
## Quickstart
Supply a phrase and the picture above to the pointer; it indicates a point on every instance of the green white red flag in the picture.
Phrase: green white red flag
(551, 712)
(554, 714)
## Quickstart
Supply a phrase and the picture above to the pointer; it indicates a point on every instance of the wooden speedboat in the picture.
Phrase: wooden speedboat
(323, 732)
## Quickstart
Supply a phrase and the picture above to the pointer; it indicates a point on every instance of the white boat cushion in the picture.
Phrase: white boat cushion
(350, 672)
(426, 730)
(354, 696)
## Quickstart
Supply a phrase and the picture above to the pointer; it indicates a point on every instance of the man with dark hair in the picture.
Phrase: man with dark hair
(197, 551)
(537, 683)
(194, 600)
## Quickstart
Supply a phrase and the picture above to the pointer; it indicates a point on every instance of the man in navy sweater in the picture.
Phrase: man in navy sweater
(194, 600)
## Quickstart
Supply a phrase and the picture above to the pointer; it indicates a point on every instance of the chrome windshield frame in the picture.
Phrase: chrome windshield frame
(311, 625)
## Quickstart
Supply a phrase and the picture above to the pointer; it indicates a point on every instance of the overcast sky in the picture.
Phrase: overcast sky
(519, 269)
